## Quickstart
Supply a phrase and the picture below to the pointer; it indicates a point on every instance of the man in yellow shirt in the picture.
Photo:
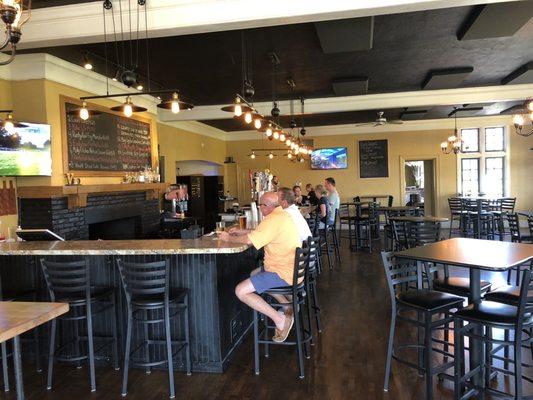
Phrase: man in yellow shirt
(278, 234)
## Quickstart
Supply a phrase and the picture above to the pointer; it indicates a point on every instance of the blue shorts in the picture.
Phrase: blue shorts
(265, 280)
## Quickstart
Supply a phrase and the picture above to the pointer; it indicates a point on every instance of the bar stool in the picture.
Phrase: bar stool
(489, 315)
(335, 234)
(365, 224)
(323, 238)
(313, 227)
(148, 295)
(514, 230)
(69, 282)
(457, 213)
(311, 244)
(298, 292)
(428, 304)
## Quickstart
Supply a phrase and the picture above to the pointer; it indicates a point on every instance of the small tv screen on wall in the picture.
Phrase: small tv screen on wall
(25, 151)
(330, 158)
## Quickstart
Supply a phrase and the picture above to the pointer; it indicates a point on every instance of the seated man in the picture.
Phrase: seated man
(286, 200)
(277, 233)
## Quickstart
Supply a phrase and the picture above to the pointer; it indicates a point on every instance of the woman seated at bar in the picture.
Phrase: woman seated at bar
(299, 198)
(311, 195)
(324, 207)
(277, 233)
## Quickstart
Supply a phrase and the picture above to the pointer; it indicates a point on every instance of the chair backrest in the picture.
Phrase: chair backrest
(423, 233)
(508, 204)
(514, 227)
(357, 199)
(400, 274)
(312, 222)
(399, 233)
(144, 279)
(311, 244)
(525, 304)
(455, 204)
(530, 224)
(344, 210)
(301, 258)
(390, 200)
(66, 278)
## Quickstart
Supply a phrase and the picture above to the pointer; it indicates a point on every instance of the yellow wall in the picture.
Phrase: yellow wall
(402, 145)
(179, 145)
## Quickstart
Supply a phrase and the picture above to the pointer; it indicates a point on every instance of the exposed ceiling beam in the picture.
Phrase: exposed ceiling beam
(82, 23)
(426, 98)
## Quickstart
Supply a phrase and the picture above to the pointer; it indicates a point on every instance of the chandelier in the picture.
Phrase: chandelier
(454, 142)
(14, 14)
(523, 120)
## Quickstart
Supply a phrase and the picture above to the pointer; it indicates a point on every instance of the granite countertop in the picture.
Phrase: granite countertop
(204, 245)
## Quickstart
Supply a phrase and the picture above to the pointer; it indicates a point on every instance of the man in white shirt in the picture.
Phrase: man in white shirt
(286, 201)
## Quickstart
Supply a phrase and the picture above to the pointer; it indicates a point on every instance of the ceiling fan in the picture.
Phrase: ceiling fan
(380, 121)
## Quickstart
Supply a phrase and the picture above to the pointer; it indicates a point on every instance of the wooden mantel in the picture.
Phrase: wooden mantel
(77, 194)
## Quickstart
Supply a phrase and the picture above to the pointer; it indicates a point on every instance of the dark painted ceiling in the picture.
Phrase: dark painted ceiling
(53, 3)
(207, 67)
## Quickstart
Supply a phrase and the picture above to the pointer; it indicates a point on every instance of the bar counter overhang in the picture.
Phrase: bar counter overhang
(208, 268)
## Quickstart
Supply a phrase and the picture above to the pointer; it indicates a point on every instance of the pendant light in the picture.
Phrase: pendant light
(128, 108)
(175, 104)
(271, 155)
(84, 112)
(282, 137)
(9, 124)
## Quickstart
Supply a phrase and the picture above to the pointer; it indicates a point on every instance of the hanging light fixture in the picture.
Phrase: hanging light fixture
(257, 122)
(252, 155)
(289, 155)
(454, 142)
(523, 120)
(84, 112)
(288, 141)
(271, 155)
(175, 104)
(9, 124)
(128, 108)
(275, 135)
(14, 14)
(87, 64)
(248, 117)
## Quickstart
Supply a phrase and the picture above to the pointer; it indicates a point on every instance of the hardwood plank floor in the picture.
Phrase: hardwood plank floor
(347, 361)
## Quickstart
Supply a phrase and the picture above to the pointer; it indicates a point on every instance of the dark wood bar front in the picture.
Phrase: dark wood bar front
(206, 267)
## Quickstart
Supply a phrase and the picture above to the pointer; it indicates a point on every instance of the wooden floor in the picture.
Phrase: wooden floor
(347, 361)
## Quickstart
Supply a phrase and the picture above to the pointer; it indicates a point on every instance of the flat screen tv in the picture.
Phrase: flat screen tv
(330, 158)
(26, 151)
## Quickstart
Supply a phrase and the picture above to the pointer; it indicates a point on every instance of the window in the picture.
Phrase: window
(470, 176)
(494, 139)
(482, 165)
(494, 176)
(470, 140)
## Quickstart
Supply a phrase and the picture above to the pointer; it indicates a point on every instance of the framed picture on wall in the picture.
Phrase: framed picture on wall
(373, 159)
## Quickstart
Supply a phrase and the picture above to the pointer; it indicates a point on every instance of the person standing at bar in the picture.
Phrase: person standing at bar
(333, 197)
(278, 234)
(287, 202)
(311, 194)
(323, 207)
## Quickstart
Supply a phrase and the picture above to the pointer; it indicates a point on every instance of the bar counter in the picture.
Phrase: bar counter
(208, 268)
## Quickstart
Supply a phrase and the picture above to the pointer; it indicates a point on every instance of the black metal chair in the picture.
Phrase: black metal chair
(530, 225)
(366, 223)
(405, 288)
(324, 237)
(490, 315)
(335, 235)
(514, 230)
(149, 300)
(456, 214)
(312, 245)
(70, 282)
(299, 294)
(346, 219)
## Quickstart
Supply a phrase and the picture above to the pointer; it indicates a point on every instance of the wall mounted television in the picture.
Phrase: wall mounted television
(329, 158)
(26, 151)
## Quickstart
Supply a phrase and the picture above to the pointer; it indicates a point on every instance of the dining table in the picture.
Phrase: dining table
(16, 318)
(475, 255)
(419, 219)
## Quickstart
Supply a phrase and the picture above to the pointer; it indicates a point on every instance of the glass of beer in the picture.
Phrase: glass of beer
(242, 221)
(220, 226)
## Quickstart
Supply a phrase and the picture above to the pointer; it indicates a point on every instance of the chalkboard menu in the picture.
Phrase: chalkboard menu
(105, 143)
(373, 159)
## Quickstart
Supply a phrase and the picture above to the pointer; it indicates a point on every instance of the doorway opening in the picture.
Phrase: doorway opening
(420, 184)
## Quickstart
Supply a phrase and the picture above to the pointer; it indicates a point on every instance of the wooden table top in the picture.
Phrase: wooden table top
(413, 218)
(491, 255)
(19, 317)
(525, 213)
(374, 196)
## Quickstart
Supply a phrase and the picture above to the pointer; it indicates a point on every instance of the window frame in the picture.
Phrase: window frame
(478, 141)
(485, 140)
(478, 172)
(482, 154)
(503, 169)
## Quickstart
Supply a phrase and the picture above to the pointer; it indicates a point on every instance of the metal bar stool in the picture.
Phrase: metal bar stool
(311, 244)
(405, 288)
(324, 238)
(149, 300)
(70, 282)
(298, 292)
(490, 315)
